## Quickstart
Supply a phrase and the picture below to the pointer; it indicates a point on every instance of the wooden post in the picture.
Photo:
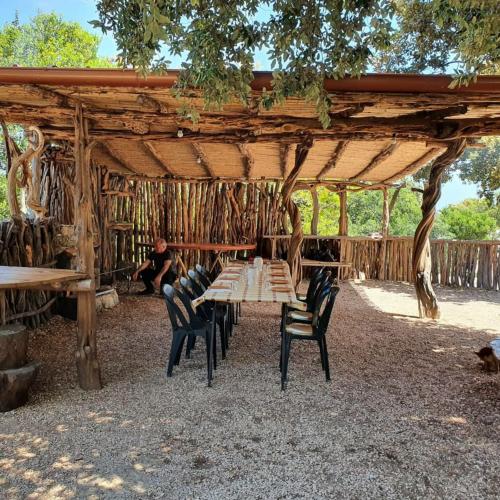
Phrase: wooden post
(315, 212)
(301, 153)
(343, 221)
(89, 376)
(427, 302)
(385, 234)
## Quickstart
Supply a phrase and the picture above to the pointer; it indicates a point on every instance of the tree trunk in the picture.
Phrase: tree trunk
(87, 364)
(297, 234)
(315, 213)
(343, 221)
(385, 233)
(427, 302)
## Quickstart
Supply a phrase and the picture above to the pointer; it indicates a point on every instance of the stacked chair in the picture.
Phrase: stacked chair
(188, 327)
(311, 324)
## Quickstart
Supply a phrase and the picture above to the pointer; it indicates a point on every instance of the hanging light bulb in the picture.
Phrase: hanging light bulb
(180, 133)
(198, 160)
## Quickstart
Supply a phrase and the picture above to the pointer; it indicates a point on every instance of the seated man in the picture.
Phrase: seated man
(158, 269)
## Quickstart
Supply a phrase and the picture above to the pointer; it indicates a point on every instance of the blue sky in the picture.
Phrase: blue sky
(84, 11)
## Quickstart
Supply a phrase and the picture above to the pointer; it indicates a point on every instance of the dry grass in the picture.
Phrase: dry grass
(408, 413)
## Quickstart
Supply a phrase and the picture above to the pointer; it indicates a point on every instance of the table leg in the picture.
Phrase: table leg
(3, 308)
(87, 365)
(210, 345)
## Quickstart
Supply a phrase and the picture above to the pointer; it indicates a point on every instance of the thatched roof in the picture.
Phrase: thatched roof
(383, 126)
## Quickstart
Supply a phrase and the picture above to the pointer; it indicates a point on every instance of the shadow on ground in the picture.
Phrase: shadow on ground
(408, 412)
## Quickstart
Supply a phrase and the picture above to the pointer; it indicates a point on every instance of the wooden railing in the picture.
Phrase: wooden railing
(470, 264)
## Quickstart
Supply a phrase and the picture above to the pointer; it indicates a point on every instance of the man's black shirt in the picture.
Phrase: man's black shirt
(158, 260)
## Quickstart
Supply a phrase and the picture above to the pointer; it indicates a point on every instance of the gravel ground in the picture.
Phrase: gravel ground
(408, 412)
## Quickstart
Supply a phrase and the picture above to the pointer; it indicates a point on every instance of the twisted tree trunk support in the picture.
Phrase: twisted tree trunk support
(297, 234)
(427, 302)
(89, 375)
(35, 147)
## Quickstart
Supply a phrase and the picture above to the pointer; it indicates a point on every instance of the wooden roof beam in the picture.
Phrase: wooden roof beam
(123, 163)
(334, 159)
(248, 160)
(284, 151)
(377, 160)
(55, 98)
(151, 150)
(347, 111)
(203, 159)
(152, 103)
(439, 114)
(417, 164)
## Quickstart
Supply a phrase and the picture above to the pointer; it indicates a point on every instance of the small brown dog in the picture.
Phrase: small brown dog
(489, 358)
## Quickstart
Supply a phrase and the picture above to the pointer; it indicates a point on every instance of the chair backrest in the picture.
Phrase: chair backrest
(177, 317)
(202, 277)
(203, 310)
(313, 283)
(323, 308)
(202, 270)
(197, 285)
(187, 287)
(193, 321)
(320, 281)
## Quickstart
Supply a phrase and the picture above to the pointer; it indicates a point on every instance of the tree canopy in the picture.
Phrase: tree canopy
(482, 166)
(48, 40)
(470, 220)
(305, 42)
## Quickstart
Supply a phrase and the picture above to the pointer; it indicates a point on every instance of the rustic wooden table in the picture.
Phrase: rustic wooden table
(39, 278)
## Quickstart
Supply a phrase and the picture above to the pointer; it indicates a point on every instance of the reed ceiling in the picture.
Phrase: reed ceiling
(380, 132)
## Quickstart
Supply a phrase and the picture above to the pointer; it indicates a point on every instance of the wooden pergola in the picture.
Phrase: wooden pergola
(383, 128)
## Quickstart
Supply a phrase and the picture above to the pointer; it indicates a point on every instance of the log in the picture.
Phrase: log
(13, 346)
(15, 384)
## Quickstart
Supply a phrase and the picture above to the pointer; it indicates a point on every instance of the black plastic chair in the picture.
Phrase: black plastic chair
(204, 276)
(315, 331)
(316, 276)
(222, 318)
(186, 327)
(313, 281)
(298, 315)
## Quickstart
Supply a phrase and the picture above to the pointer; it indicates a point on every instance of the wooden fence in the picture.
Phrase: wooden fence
(469, 264)
(28, 244)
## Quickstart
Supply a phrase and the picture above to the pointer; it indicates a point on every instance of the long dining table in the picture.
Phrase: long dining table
(244, 282)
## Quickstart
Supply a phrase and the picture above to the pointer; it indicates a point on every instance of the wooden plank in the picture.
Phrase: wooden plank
(27, 277)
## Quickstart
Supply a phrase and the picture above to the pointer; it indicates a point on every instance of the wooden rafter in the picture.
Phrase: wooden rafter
(55, 98)
(346, 111)
(198, 150)
(152, 103)
(284, 151)
(416, 165)
(377, 160)
(248, 160)
(334, 158)
(151, 150)
(121, 161)
(439, 114)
